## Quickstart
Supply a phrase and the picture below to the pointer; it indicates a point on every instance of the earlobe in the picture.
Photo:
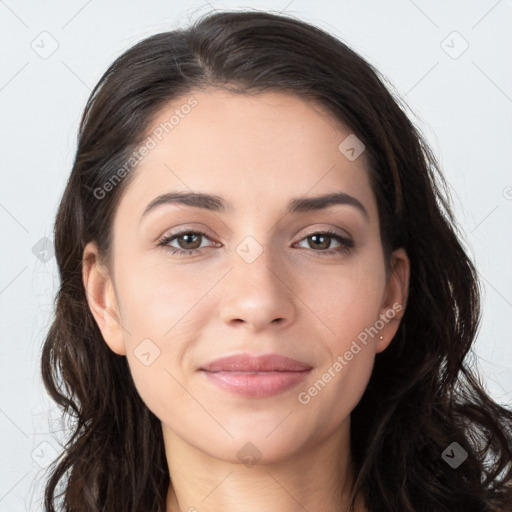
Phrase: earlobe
(395, 298)
(99, 291)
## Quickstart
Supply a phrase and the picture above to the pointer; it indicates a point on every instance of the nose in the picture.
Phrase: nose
(256, 295)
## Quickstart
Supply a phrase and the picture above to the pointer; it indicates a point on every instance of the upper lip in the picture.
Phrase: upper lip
(263, 363)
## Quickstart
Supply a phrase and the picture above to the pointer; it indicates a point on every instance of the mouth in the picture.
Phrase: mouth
(256, 377)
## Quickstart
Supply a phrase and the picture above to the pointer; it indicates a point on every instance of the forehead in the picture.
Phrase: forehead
(252, 149)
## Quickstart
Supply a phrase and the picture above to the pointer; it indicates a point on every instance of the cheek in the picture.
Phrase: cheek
(159, 299)
(164, 311)
(345, 301)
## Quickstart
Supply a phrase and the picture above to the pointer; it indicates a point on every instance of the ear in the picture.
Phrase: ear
(99, 290)
(395, 298)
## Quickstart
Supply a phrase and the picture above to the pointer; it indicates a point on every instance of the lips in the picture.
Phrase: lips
(256, 377)
(248, 363)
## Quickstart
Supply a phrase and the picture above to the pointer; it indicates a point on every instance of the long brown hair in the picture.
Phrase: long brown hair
(422, 395)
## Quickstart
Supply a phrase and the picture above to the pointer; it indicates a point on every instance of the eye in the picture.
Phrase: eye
(322, 240)
(189, 242)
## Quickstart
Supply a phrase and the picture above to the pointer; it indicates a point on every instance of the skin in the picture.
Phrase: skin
(257, 152)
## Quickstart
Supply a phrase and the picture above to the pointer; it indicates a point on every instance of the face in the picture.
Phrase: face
(259, 269)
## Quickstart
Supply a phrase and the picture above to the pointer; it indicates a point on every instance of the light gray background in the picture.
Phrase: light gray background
(463, 102)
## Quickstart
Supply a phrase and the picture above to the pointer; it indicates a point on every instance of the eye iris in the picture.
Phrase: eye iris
(324, 244)
(188, 237)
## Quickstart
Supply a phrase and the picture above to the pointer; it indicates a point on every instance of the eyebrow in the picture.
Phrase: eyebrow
(217, 204)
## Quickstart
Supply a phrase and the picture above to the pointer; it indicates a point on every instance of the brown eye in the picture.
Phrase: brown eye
(189, 240)
(321, 242)
(186, 242)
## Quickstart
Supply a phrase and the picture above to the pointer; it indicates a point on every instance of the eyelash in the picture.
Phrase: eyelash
(345, 247)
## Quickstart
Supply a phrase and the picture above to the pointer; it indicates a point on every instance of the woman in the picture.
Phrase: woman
(264, 303)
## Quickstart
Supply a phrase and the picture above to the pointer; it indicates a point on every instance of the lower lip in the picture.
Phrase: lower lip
(256, 385)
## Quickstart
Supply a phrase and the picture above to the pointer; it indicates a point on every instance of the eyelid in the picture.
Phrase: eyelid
(330, 230)
(187, 229)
